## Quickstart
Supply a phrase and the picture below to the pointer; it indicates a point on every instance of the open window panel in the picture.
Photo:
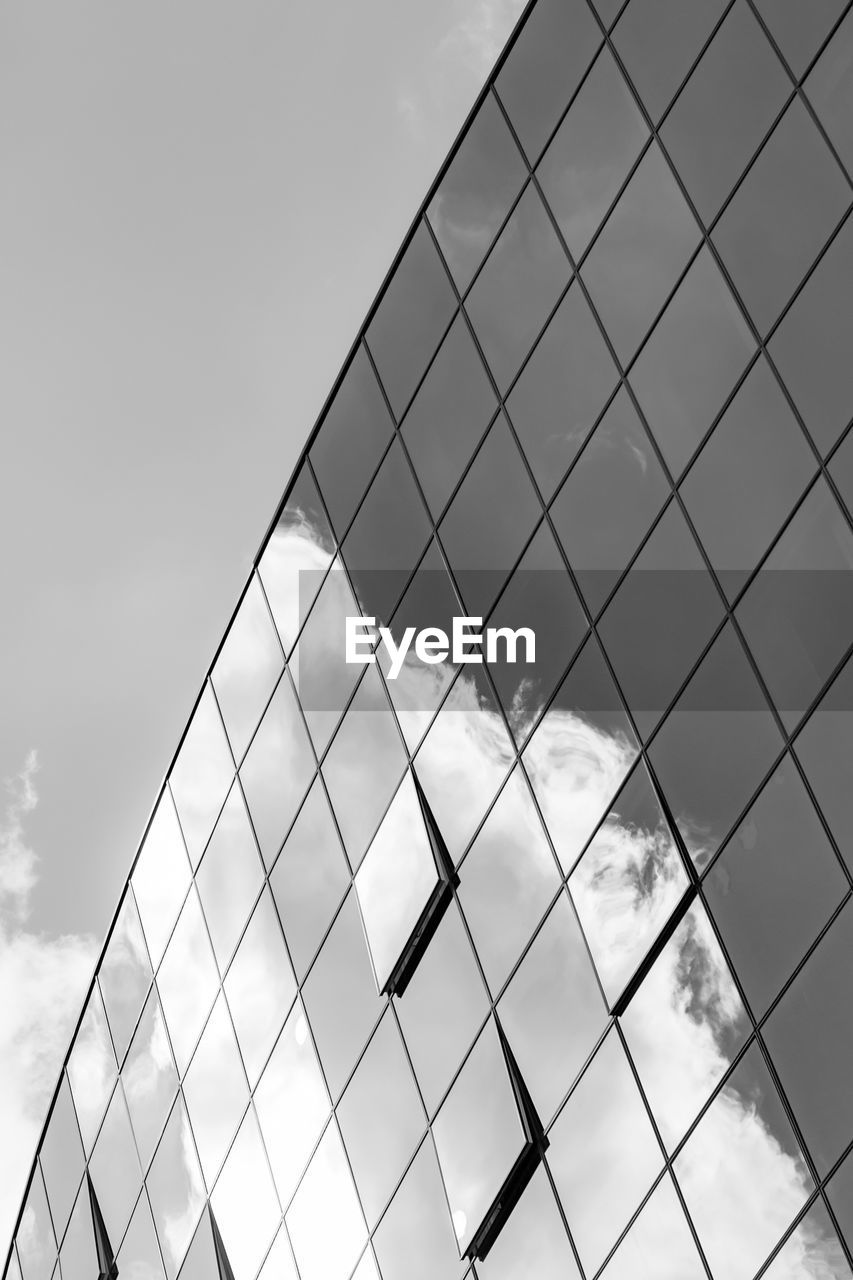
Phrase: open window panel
(404, 886)
(489, 1140)
(107, 1267)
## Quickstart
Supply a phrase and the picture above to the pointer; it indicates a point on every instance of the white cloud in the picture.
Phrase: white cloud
(42, 982)
(476, 42)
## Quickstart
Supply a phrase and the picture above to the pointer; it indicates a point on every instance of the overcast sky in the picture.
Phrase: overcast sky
(200, 200)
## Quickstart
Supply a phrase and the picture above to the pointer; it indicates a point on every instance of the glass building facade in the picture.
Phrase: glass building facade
(540, 970)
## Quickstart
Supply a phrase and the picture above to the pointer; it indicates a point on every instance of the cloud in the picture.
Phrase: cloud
(42, 982)
(476, 42)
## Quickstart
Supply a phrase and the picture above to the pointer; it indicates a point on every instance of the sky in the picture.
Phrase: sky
(201, 200)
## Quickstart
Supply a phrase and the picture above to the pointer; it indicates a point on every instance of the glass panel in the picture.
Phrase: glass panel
(813, 1251)
(36, 1245)
(658, 40)
(782, 215)
(644, 246)
(609, 500)
(463, 760)
(13, 1270)
(355, 431)
(448, 415)
(810, 1038)
(580, 754)
(215, 1091)
(301, 540)
(114, 1169)
(742, 1172)
(714, 747)
(244, 1202)
(124, 977)
(475, 194)
(279, 1264)
(725, 110)
(830, 88)
(326, 1196)
(387, 536)
(685, 1025)
(188, 981)
(747, 478)
(810, 346)
(410, 319)
(553, 1011)
(658, 1245)
(278, 767)
(663, 613)
(363, 765)
(201, 775)
(691, 362)
(519, 285)
(367, 1269)
(340, 996)
(396, 881)
(77, 1257)
(841, 470)
(442, 1009)
(539, 595)
(798, 614)
(61, 1158)
(799, 29)
(544, 68)
(201, 1262)
(309, 879)
(415, 1240)
(774, 886)
(92, 1068)
(139, 1255)
(561, 390)
(592, 153)
(260, 987)
(292, 1102)
(247, 668)
(176, 1189)
(534, 1240)
(628, 883)
(825, 749)
(603, 1153)
(160, 881)
(509, 878)
(323, 679)
(230, 876)
(381, 1118)
(150, 1080)
(840, 1193)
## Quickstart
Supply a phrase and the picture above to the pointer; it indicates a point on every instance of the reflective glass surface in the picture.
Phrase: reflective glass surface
(603, 1153)
(830, 88)
(114, 1168)
(824, 748)
(244, 1201)
(692, 361)
(813, 1248)
(396, 880)
(204, 768)
(139, 1256)
(476, 192)
(799, 29)
(62, 1159)
(658, 40)
(415, 1240)
(742, 1172)
(230, 877)
(277, 769)
(326, 1196)
(247, 668)
(215, 1090)
(810, 347)
(411, 317)
(323, 679)
(35, 1238)
(176, 1189)
(658, 1244)
(187, 981)
(642, 249)
(260, 987)
(618, 470)
(381, 1118)
(92, 1069)
(160, 882)
(150, 1079)
(592, 153)
(561, 390)
(782, 215)
(728, 105)
(544, 68)
(292, 1102)
(77, 1257)
(840, 1195)
(553, 1010)
(448, 415)
(534, 1241)
(517, 288)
